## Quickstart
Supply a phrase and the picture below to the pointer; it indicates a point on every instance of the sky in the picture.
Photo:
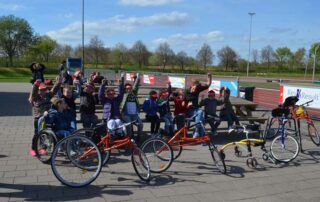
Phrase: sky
(185, 24)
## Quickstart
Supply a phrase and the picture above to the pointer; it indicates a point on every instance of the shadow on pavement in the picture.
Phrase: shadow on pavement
(14, 104)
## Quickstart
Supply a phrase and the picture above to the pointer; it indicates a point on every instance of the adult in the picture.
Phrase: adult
(62, 66)
(37, 71)
(192, 96)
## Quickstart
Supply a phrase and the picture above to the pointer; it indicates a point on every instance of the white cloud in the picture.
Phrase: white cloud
(148, 2)
(117, 24)
(10, 7)
(190, 39)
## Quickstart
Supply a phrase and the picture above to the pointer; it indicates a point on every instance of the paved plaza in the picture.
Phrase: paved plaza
(192, 177)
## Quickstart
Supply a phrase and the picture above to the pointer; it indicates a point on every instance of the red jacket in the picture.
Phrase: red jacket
(178, 107)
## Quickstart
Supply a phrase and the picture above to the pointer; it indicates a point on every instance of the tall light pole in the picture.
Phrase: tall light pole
(82, 66)
(248, 64)
(314, 61)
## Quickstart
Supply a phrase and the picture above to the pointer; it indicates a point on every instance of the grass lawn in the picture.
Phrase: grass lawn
(22, 75)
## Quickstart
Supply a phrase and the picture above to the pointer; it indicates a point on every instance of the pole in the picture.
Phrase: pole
(248, 63)
(314, 61)
(82, 66)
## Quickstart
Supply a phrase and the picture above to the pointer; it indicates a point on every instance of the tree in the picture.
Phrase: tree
(164, 54)
(228, 57)
(43, 48)
(267, 55)
(15, 36)
(283, 56)
(139, 53)
(96, 49)
(299, 57)
(119, 55)
(205, 56)
(181, 59)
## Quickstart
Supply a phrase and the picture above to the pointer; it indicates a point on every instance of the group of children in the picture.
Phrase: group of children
(59, 108)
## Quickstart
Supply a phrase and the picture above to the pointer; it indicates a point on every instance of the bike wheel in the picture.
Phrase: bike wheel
(45, 143)
(105, 154)
(140, 164)
(284, 152)
(76, 161)
(218, 160)
(272, 128)
(159, 154)
(314, 135)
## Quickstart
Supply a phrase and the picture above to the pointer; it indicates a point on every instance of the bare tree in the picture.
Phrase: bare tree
(164, 54)
(267, 56)
(255, 57)
(181, 59)
(96, 49)
(228, 57)
(140, 53)
(205, 56)
(119, 55)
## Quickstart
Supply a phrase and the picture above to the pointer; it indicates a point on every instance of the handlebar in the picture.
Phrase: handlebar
(307, 103)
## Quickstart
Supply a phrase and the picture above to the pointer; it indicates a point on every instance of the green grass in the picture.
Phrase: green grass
(22, 75)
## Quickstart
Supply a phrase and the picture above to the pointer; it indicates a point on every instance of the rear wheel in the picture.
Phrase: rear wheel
(313, 133)
(286, 151)
(140, 164)
(76, 161)
(159, 154)
(45, 143)
(217, 157)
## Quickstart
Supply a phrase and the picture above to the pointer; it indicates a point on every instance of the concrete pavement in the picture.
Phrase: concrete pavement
(192, 177)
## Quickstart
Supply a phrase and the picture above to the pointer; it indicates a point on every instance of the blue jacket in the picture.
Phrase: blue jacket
(150, 107)
(111, 107)
(60, 120)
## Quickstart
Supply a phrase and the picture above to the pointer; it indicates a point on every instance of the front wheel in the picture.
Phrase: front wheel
(286, 151)
(45, 143)
(217, 157)
(159, 154)
(140, 164)
(314, 135)
(76, 161)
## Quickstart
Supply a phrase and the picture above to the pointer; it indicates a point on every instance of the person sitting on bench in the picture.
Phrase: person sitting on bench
(227, 112)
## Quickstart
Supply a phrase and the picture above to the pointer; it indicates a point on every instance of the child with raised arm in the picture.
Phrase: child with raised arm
(164, 110)
(151, 108)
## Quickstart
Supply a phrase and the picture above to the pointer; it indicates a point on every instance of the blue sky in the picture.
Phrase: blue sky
(184, 24)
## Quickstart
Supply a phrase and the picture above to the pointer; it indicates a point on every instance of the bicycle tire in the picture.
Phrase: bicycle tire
(105, 155)
(45, 143)
(272, 129)
(159, 154)
(284, 153)
(80, 173)
(140, 164)
(313, 133)
(218, 160)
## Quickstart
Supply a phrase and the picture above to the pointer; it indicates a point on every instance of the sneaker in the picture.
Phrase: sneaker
(32, 152)
(195, 135)
(42, 151)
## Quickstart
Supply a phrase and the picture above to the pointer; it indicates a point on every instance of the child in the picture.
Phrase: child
(57, 117)
(194, 108)
(130, 106)
(111, 103)
(227, 112)
(164, 110)
(40, 100)
(210, 107)
(151, 108)
(180, 108)
(69, 97)
(88, 106)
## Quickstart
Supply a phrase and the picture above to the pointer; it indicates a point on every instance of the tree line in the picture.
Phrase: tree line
(20, 44)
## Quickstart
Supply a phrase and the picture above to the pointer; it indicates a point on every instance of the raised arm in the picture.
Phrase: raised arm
(121, 88)
(136, 84)
(56, 86)
(209, 79)
(101, 95)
